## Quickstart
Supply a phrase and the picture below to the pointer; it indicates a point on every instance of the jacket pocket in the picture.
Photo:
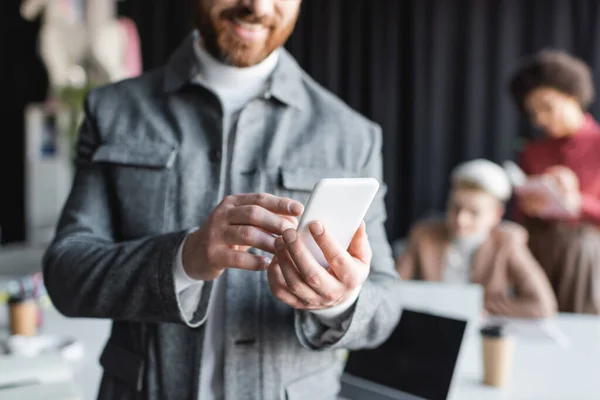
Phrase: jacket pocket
(321, 385)
(297, 182)
(142, 155)
(124, 365)
(138, 179)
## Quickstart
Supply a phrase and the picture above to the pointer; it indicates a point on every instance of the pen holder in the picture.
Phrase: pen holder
(23, 316)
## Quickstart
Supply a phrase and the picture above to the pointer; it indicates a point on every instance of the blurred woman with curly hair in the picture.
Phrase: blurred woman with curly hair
(555, 89)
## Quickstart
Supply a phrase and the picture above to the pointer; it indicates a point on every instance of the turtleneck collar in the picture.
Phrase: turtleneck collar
(219, 75)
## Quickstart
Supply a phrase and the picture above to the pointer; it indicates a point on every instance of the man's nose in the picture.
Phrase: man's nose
(260, 7)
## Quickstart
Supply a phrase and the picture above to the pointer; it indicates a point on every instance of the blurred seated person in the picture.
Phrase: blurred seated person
(472, 244)
(554, 89)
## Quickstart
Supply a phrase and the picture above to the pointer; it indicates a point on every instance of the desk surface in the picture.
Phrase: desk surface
(92, 333)
(24, 259)
(541, 369)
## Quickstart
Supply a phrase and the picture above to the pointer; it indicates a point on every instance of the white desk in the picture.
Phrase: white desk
(542, 370)
(92, 333)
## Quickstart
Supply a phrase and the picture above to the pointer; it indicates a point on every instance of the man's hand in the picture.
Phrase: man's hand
(238, 223)
(297, 279)
(497, 305)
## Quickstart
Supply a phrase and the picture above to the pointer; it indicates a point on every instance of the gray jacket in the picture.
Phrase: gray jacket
(149, 167)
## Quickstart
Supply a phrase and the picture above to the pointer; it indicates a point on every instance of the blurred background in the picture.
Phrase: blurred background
(433, 73)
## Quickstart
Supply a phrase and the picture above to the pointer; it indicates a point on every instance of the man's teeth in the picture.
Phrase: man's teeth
(249, 26)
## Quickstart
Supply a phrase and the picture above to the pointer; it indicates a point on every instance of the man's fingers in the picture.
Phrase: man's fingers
(259, 217)
(359, 247)
(341, 263)
(291, 275)
(241, 260)
(278, 205)
(293, 220)
(497, 306)
(279, 288)
(246, 235)
(310, 270)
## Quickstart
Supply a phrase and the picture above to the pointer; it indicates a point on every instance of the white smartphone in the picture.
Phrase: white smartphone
(340, 204)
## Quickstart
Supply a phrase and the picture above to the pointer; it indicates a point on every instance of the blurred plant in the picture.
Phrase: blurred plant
(71, 99)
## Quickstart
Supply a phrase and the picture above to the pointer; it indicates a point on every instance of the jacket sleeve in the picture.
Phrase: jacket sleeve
(377, 309)
(88, 273)
(534, 297)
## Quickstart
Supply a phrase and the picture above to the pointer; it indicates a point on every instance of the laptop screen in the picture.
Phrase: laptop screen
(419, 357)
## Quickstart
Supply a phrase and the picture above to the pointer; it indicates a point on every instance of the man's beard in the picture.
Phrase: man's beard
(225, 46)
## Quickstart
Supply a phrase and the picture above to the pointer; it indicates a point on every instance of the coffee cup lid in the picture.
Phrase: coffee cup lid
(19, 298)
(493, 331)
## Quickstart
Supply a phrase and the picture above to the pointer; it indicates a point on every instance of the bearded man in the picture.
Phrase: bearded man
(181, 223)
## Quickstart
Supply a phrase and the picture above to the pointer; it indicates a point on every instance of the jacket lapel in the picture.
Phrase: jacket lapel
(433, 254)
(435, 248)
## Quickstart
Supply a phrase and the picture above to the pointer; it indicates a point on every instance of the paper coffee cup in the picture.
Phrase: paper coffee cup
(23, 317)
(497, 356)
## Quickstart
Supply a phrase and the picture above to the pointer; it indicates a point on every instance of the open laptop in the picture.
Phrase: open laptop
(460, 301)
(355, 388)
(424, 355)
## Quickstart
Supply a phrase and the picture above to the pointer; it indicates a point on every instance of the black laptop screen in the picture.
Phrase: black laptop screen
(418, 358)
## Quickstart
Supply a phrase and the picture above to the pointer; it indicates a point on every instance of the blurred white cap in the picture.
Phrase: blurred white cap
(485, 174)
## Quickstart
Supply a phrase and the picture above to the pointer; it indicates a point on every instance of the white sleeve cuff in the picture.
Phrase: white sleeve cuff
(182, 279)
(330, 316)
(188, 290)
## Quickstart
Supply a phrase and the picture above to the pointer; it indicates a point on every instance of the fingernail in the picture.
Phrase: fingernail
(289, 236)
(295, 208)
(316, 228)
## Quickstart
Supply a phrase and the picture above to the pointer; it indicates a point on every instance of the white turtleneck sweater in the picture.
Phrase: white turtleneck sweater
(235, 87)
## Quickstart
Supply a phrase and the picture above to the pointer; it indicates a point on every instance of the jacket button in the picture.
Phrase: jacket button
(215, 155)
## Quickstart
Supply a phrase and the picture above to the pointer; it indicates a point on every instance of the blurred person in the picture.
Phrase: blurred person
(180, 226)
(554, 89)
(473, 245)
